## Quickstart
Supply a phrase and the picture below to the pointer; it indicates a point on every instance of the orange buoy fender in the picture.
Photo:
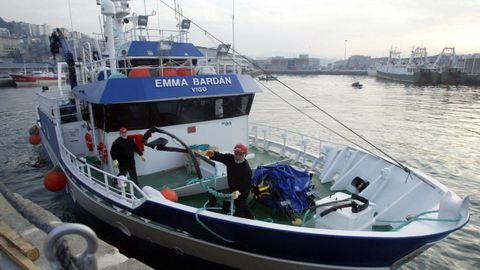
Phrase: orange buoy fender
(169, 194)
(141, 71)
(55, 180)
(185, 72)
(168, 72)
(35, 139)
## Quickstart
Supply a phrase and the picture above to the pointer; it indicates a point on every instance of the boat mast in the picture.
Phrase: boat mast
(114, 11)
(108, 10)
(233, 37)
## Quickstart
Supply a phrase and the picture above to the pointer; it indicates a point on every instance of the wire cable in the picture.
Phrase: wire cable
(293, 90)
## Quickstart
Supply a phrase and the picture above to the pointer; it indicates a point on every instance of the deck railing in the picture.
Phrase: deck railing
(127, 194)
(89, 72)
(301, 148)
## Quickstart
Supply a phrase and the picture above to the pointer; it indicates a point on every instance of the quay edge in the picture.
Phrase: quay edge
(107, 256)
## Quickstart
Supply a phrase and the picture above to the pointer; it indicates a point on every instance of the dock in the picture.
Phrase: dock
(22, 243)
(319, 72)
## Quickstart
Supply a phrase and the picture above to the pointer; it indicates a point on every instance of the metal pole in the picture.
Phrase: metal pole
(233, 38)
(345, 53)
(70, 12)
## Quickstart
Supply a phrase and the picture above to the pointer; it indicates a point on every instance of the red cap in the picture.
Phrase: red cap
(242, 148)
(123, 130)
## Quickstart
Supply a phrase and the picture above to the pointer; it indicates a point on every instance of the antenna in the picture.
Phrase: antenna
(70, 12)
(233, 37)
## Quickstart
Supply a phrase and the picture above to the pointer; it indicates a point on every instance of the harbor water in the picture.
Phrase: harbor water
(435, 129)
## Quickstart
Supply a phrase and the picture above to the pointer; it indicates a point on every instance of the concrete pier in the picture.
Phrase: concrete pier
(108, 257)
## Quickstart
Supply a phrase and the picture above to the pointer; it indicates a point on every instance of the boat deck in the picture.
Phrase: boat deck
(181, 176)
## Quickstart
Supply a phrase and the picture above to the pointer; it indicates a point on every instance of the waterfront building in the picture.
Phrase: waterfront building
(9, 45)
(280, 63)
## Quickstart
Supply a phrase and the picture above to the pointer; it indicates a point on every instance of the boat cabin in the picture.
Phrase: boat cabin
(178, 92)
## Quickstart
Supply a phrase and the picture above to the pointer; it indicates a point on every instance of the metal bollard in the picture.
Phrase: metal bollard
(85, 260)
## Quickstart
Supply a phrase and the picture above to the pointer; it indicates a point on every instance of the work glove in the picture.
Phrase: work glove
(142, 157)
(209, 153)
(115, 163)
(235, 194)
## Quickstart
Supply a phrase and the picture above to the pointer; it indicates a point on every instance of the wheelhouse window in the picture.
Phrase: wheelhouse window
(168, 113)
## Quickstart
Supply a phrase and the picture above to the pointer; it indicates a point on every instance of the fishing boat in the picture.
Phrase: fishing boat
(447, 68)
(267, 77)
(416, 70)
(363, 210)
(36, 78)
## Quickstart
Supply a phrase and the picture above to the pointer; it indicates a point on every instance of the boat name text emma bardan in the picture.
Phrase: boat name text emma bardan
(179, 82)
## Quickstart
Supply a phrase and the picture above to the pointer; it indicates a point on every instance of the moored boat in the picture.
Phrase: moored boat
(267, 77)
(176, 106)
(416, 70)
(447, 69)
(36, 78)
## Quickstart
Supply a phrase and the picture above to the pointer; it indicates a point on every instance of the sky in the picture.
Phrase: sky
(266, 28)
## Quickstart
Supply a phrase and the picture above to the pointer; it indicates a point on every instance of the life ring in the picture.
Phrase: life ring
(102, 152)
(88, 141)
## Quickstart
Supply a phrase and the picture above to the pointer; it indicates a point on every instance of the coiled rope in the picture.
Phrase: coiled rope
(64, 255)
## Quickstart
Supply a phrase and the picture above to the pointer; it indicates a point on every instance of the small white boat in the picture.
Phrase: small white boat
(267, 77)
(364, 211)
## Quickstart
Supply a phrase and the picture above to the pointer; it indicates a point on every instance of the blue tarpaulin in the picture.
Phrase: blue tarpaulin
(282, 187)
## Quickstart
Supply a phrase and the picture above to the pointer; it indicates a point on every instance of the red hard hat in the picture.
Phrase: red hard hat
(242, 148)
(123, 130)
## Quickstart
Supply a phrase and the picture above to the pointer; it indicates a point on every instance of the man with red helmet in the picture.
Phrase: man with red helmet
(122, 152)
(239, 174)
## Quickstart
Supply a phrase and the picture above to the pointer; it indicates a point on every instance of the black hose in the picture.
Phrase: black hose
(187, 149)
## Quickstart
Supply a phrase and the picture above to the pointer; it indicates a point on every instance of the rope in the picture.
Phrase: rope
(307, 115)
(216, 194)
(305, 221)
(417, 218)
(197, 218)
(67, 260)
(291, 89)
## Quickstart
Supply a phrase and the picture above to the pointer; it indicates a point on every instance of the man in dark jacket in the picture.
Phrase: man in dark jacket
(239, 174)
(122, 152)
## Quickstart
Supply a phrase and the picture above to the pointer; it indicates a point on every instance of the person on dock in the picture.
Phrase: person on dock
(239, 174)
(122, 152)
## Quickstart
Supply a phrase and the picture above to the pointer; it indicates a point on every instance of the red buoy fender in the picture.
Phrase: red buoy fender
(102, 152)
(55, 180)
(88, 141)
(34, 139)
